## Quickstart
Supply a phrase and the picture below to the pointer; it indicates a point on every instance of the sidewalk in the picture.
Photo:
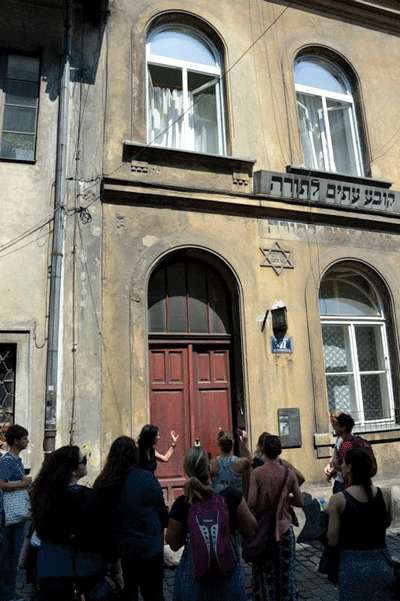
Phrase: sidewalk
(312, 586)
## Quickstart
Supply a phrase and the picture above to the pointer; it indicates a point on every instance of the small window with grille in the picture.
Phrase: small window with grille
(8, 356)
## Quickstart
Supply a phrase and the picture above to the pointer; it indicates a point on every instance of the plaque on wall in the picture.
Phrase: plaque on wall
(277, 258)
(281, 345)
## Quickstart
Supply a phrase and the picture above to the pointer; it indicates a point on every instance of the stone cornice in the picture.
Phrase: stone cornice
(376, 14)
(120, 190)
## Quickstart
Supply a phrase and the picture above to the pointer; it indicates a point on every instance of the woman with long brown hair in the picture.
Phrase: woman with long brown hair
(72, 525)
(138, 516)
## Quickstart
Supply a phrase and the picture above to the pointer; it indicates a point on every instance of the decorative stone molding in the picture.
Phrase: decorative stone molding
(185, 168)
(277, 258)
(241, 179)
(376, 13)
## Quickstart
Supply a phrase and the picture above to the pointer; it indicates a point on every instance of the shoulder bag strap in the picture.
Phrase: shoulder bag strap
(275, 506)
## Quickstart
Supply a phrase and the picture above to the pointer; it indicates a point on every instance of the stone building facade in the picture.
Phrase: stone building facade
(231, 228)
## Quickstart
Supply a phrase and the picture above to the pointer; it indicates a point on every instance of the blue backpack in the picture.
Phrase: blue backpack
(210, 544)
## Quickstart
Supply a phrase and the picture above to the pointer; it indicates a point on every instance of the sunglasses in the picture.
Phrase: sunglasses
(83, 461)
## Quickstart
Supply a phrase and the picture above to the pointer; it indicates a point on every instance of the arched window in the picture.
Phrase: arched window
(355, 343)
(185, 100)
(187, 297)
(327, 117)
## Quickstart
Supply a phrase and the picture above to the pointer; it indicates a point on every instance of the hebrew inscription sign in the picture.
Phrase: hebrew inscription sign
(321, 190)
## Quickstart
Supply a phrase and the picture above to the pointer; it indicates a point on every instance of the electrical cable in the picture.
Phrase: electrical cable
(222, 78)
(103, 344)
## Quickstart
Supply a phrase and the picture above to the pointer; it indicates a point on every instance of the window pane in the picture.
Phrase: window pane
(182, 46)
(312, 131)
(352, 295)
(7, 382)
(340, 393)
(369, 348)
(337, 354)
(19, 119)
(23, 67)
(17, 146)
(342, 140)
(203, 118)
(219, 323)
(317, 73)
(21, 92)
(197, 288)
(156, 299)
(374, 393)
(165, 106)
(177, 306)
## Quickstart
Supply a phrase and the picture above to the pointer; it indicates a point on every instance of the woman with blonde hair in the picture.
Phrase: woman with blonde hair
(193, 582)
(227, 469)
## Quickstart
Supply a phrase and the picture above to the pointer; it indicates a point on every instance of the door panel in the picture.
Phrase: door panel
(169, 410)
(189, 393)
(211, 410)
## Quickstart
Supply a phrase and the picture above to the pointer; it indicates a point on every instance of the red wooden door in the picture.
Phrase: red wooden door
(189, 393)
(211, 410)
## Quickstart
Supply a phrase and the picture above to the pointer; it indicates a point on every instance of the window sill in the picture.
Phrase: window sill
(185, 168)
(23, 161)
(385, 433)
(144, 152)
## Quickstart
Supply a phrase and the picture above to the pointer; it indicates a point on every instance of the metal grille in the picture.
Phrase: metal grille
(8, 354)
(376, 420)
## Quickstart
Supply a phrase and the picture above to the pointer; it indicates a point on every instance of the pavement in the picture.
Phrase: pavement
(311, 585)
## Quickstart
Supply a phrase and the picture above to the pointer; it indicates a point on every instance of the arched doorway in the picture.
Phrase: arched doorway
(194, 382)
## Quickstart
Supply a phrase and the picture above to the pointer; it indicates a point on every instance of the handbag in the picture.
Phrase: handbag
(105, 590)
(329, 563)
(16, 506)
(259, 547)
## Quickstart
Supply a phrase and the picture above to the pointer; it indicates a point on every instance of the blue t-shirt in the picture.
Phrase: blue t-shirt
(11, 470)
(140, 515)
(57, 560)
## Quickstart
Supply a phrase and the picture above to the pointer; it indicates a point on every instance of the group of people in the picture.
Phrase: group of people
(121, 523)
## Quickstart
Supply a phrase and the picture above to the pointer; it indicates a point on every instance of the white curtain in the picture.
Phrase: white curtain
(166, 123)
(165, 117)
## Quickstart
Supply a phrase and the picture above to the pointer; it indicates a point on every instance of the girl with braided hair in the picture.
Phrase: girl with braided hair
(198, 488)
(358, 518)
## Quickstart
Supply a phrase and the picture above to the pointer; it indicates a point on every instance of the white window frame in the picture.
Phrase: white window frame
(185, 66)
(357, 403)
(3, 81)
(325, 95)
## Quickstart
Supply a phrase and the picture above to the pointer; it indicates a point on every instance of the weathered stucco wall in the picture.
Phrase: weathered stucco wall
(144, 218)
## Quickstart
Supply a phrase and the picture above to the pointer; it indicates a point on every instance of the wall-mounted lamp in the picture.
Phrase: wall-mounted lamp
(279, 322)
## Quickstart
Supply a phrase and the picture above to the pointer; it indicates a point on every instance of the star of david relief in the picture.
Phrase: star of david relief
(277, 258)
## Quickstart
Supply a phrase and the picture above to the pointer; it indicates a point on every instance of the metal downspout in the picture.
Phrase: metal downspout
(50, 426)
